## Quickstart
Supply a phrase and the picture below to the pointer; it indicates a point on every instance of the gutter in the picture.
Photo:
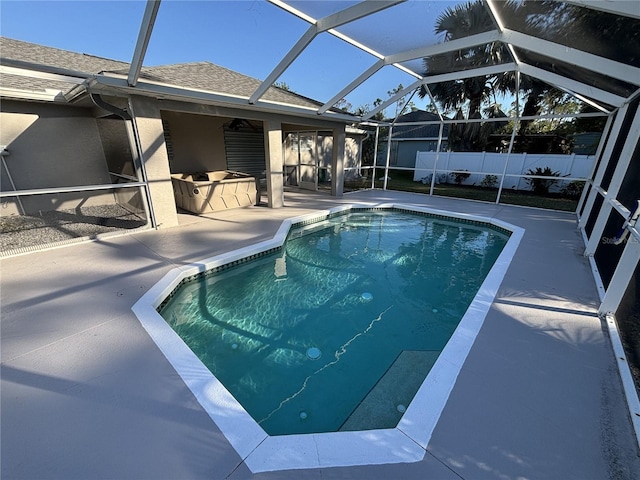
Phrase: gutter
(76, 91)
(39, 70)
(173, 92)
(99, 102)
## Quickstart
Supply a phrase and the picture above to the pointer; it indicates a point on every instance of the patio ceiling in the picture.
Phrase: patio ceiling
(397, 34)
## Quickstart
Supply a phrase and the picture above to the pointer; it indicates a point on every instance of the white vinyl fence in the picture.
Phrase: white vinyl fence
(514, 166)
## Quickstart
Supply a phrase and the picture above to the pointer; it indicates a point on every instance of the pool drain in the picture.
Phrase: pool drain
(303, 415)
(366, 296)
(314, 353)
(401, 408)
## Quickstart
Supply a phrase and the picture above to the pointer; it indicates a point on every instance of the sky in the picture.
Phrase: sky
(247, 36)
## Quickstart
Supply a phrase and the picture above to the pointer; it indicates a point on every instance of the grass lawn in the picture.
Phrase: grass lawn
(403, 181)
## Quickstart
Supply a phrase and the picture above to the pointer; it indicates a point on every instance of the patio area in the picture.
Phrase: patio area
(86, 393)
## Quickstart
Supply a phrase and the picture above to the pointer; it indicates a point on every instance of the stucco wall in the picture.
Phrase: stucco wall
(198, 142)
(115, 144)
(60, 146)
(155, 158)
(324, 152)
(119, 158)
(51, 146)
(352, 151)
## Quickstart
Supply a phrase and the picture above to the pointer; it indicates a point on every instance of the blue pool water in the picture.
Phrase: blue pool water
(338, 329)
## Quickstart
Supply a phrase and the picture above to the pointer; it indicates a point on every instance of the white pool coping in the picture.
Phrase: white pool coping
(261, 452)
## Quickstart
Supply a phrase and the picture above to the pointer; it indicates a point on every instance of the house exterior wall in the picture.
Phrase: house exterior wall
(68, 146)
(148, 121)
(115, 145)
(406, 151)
(198, 138)
(351, 150)
(119, 157)
(324, 151)
(352, 146)
(51, 146)
(403, 153)
(198, 142)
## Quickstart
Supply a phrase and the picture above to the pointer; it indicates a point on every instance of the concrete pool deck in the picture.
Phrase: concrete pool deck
(87, 394)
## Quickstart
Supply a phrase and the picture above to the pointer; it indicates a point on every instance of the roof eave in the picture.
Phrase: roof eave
(49, 95)
(174, 92)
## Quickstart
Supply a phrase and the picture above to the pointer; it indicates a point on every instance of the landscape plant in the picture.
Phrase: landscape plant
(541, 185)
(489, 181)
(572, 189)
(459, 176)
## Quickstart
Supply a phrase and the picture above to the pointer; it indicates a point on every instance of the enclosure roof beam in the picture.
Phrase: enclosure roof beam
(453, 45)
(444, 47)
(497, 21)
(148, 19)
(611, 68)
(572, 85)
(586, 100)
(355, 12)
(288, 59)
(327, 23)
(445, 77)
(476, 72)
(624, 8)
(511, 38)
(352, 86)
(392, 99)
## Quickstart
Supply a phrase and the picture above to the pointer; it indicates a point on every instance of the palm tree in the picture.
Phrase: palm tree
(457, 22)
(545, 19)
(533, 90)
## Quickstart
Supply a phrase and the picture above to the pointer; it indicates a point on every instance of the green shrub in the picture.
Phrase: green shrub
(572, 189)
(541, 185)
(459, 176)
(489, 181)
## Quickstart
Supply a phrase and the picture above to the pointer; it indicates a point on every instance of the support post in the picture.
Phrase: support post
(516, 125)
(588, 185)
(630, 144)
(337, 161)
(621, 277)
(604, 163)
(148, 20)
(435, 161)
(275, 163)
(155, 160)
(375, 158)
(386, 165)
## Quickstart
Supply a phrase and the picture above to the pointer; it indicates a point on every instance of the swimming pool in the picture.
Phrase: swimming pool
(406, 442)
(338, 329)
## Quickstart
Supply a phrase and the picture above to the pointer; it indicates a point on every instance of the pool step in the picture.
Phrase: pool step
(379, 409)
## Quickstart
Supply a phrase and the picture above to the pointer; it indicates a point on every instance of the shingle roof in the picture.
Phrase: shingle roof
(11, 49)
(19, 82)
(211, 77)
(199, 75)
(55, 57)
